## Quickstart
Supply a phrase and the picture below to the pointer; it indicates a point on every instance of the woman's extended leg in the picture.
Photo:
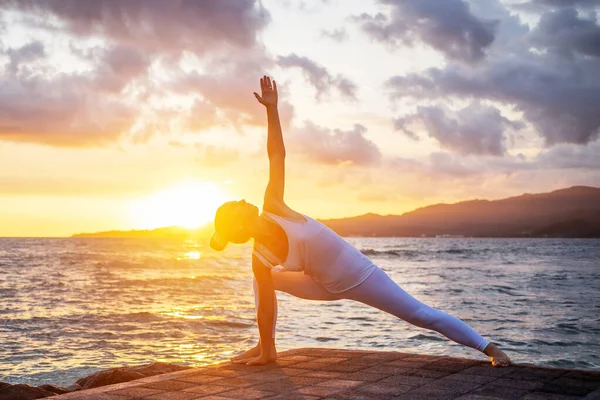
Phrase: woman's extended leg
(380, 291)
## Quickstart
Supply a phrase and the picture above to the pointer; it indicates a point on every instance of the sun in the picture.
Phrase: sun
(189, 204)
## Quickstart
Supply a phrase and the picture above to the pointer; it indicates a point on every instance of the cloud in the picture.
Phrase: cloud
(117, 67)
(208, 155)
(448, 26)
(24, 55)
(536, 5)
(216, 156)
(325, 146)
(153, 25)
(548, 73)
(565, 32)
(319, 77)
(377, 197)
(338, 35)
(119, 47)
(440, 166)
(444, 165)
(559, 97)
(568, 156)
(475, 129)
(228, 87)
(61, 109)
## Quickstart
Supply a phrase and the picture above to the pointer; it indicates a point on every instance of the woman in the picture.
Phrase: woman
(295, 254)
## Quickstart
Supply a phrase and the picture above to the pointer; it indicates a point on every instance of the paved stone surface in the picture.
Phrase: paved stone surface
(333, 374)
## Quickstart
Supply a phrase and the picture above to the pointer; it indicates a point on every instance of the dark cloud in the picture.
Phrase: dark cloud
(536, 5)
(118, 66)
(509, 28)
(319, 77)
(547, 72)
(334, 147)
(153, 25)
(449, 26)
(561, 100)
(565, 32)
(475, 129)
(24, 55)
(568, 156)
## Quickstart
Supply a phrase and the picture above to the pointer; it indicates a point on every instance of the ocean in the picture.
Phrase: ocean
(69, 307)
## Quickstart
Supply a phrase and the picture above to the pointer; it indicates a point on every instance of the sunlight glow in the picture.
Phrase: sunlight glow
(190, 255)
(189, 204)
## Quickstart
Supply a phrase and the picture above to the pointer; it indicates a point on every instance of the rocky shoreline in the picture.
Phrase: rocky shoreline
(19, 391)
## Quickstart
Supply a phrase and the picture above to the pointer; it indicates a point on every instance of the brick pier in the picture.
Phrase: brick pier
(355, 374)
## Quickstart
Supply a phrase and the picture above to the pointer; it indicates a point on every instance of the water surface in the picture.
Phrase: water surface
(69, 307)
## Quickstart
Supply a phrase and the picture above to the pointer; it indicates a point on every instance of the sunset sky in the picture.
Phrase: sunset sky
(139, 114)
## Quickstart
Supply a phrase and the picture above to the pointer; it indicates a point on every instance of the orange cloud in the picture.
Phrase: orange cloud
(47, 103)
(335, 147)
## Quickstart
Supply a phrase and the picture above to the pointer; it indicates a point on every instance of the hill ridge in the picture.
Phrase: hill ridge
(568, 212)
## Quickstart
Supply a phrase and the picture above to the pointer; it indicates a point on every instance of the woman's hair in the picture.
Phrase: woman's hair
(228, 227)
(217, 242)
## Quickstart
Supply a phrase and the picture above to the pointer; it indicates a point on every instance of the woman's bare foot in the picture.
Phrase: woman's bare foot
(497, 356)
(253, 352)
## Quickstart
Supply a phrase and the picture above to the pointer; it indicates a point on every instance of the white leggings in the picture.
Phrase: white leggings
(381, 292)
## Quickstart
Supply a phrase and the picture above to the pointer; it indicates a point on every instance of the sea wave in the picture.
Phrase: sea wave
(93, 304)
(407, 253)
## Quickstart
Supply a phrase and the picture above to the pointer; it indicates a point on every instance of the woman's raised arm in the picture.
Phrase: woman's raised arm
(275, 146)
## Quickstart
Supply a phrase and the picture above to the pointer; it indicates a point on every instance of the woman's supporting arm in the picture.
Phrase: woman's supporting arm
(275, 146)
(265, 315)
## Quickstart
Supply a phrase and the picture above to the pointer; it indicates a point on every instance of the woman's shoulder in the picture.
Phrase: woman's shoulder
(280, 209)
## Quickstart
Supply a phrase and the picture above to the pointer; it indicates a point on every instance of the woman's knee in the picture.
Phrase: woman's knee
(425, 317)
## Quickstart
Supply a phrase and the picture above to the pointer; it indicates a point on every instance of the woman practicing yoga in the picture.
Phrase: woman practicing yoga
(296, 254)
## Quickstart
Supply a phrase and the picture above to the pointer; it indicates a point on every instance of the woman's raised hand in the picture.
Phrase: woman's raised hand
(269, 92)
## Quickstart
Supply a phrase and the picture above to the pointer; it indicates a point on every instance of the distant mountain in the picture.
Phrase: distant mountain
(162, 233)
(572, 212)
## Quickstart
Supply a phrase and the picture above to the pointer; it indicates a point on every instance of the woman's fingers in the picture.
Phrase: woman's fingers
(266, 85)
(260, 100)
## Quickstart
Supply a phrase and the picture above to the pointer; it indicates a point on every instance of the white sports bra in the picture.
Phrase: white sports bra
(296, 232)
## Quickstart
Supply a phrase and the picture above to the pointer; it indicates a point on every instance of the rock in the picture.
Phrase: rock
(73, 387)
(108, 377)
(22, 392)
(54, 389)
(101, 378)
(157, 368)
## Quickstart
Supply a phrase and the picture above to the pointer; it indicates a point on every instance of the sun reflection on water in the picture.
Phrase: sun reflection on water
(190, 255)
